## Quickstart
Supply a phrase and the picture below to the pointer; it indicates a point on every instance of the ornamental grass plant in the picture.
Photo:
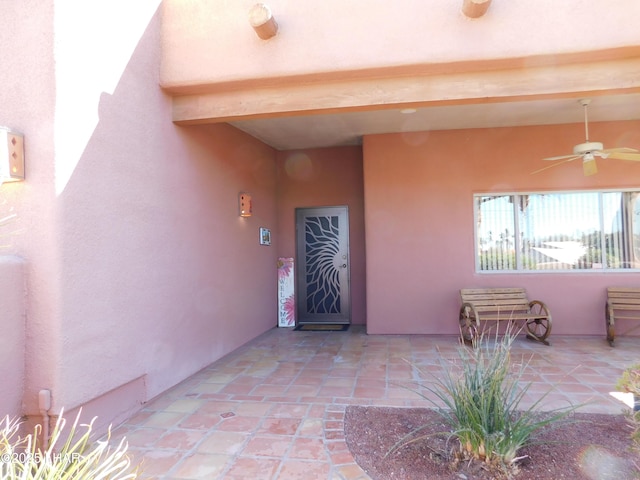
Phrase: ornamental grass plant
(69, 455)
(629, 382)
(482, 396)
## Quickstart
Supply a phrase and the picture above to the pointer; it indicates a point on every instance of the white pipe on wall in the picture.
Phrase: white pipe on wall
(44, 404)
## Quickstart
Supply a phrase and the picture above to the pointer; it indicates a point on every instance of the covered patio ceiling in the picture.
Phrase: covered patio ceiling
(329, 109)
(347, 128)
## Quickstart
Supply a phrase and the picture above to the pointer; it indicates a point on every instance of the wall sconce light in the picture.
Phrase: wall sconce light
(244, 204)
(11, 156)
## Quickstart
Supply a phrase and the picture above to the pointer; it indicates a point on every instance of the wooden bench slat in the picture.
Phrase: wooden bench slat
(623, 295)
(521, 298)
(492, 290)
(624, 301)
(495, 293)
(624, 289)
(495, 299)
(492, 308)
(519, 316)
(626, 306)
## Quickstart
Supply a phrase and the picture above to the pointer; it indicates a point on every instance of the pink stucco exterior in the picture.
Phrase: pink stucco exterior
(420, 223)
(137, 269)
(12, 340)
(325, 177)
(333, 38)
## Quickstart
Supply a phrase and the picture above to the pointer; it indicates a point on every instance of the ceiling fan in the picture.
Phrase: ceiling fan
(588, 151)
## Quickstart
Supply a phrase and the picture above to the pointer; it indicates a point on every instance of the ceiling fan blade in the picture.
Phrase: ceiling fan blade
(570, 159)
(589, 167)
(620, 149)
(562, 157)
(634, 157)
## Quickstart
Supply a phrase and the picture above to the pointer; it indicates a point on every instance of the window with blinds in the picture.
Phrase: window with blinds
(595, 230)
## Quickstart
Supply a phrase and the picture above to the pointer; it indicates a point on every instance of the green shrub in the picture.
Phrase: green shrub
(482, 399)
(630, 383)
(70, 455)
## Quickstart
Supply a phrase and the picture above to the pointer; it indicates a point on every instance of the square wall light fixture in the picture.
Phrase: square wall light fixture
(11, 155)
(244, 204)
(265, 236)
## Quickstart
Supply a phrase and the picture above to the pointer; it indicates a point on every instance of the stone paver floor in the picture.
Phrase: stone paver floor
(274, 409)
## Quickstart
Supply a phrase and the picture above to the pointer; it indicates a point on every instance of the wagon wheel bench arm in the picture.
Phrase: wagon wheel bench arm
(469, 322)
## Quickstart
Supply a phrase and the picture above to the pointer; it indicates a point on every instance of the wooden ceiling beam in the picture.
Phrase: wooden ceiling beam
(404, 91)
(475, 8)
(262, 21)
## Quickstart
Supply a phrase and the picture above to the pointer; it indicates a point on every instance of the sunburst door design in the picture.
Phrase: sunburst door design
(323, 265)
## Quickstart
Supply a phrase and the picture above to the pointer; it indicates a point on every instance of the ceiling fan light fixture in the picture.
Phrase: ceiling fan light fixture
(589, 166)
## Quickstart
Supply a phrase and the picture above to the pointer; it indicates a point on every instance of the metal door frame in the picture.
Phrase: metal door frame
(344, 317)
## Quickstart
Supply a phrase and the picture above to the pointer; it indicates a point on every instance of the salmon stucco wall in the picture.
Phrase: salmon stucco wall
(27, 228)
(139, 270)
(209, 42)
(420, 222)
(12, 339)
(159, 274)
(325, 177)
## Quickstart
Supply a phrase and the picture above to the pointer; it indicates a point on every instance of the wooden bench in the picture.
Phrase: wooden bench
(498, 304)
(623, 303)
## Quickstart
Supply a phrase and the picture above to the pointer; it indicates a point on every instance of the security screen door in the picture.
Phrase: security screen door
(322, 265)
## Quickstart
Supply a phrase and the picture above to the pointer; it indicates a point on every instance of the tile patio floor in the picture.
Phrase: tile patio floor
(274, 408)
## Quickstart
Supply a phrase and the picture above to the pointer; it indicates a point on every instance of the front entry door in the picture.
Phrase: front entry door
(322, 265)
